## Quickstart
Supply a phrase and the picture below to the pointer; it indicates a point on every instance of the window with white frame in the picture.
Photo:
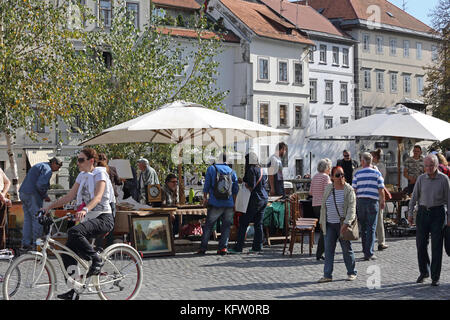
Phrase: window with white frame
(345, 57)
(434, 53)
(344, 120)
(298, 109)
(263, 68)
(264, 113)
(311, 54)
(419, 50)
(406, 48)
(328, 123)
(298, 73)
(313, 90)
(393, 46)
(105, 12)
(366, 43)
(328, 91)
(420, 85)
(380, 80)
(323, 53)
(344, 93)
(393, 82)
(336, 55)
(379, 42)
(283, 108)
(282, 71)
(407, 83)
(133, 10)
(367, 84)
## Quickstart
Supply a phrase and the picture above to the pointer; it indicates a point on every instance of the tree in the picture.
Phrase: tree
(39, 68)
(437, 90)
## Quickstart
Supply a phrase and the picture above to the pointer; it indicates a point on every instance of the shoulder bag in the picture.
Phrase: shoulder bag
(243, 196)
(352, 232)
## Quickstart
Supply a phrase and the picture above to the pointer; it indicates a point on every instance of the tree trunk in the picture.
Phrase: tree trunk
(13, 165)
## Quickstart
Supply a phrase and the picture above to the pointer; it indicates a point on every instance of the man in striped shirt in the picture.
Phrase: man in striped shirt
(369, 185)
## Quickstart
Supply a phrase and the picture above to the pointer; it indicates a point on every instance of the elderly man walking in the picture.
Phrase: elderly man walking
(431, 192)
(369, 186)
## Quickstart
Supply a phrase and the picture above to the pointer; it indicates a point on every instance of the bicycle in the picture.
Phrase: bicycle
(33, 275)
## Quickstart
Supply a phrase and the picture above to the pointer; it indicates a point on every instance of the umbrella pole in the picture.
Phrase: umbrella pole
(399, 159)
(181, 194)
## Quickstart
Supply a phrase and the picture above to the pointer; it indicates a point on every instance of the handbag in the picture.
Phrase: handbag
(243, 196)
(352, 232)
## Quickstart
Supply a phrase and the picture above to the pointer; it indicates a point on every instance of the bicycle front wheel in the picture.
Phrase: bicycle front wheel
(121, 275)
(21, 280)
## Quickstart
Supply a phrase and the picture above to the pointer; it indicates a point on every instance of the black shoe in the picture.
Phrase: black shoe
(70, 295)
(373, 257)
(435, 283)
(422, 277)
(382, 247)
(201, 252)
(96, 266)
(320, 258)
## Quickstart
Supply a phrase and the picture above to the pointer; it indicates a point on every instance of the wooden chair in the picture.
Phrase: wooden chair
(298, 226)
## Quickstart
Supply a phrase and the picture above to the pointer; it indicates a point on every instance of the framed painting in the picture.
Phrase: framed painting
(152, 234)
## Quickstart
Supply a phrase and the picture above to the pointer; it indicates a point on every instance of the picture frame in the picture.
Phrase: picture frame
(152, 234)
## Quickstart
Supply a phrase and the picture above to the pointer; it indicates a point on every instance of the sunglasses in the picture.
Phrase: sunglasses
(346, 155)
(339, 175)
(81, 160)
(174, 181)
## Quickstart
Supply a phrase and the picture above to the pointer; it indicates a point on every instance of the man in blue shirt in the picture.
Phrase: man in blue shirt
(218, 207)
(32, 192)
(369, 187)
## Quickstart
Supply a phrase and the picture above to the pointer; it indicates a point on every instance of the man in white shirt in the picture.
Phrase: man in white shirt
(275, 171)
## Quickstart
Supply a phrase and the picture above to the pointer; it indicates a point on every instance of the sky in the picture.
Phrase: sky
(419, 9)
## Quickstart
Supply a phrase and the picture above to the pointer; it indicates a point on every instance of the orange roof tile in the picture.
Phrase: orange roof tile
(190, 33)
(357, 9)
(262, 21)
(185, 4)
(305, 17)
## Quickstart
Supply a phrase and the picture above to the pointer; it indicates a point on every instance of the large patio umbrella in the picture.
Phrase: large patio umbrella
(183, 122)
(397, 122)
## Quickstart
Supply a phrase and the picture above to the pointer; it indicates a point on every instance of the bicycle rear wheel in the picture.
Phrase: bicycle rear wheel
(20, 282)
(121, 275)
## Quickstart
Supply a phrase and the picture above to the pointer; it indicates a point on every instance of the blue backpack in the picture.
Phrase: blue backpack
(223, 186)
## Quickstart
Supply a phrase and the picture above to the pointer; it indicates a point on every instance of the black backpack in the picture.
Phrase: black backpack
(223, 186)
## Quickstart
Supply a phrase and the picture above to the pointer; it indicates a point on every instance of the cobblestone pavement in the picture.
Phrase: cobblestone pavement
(271, 275)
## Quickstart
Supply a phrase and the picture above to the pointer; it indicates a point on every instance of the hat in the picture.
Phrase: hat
(56, 160)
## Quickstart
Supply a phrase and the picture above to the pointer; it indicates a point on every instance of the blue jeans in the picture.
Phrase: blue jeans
(430, 221)
(331, 237)
(255, 214)
(32, 230)
(367, 211)
(214, 213)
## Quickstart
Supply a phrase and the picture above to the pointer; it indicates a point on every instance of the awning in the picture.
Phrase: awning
(37, 155)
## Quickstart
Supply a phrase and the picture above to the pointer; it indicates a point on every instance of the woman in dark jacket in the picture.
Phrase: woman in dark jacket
(255, 181)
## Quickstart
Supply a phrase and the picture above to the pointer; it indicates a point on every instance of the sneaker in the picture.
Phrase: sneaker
(70, 295)
(233, 251)
(323, 280)
(222, 252)
(351, 277)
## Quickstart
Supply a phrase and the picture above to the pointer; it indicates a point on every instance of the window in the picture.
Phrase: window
(393, 82)
(366, 39)
(311, 53)
(344, 120)
(264, 113)
(328, 91)
(367, 111)
(420, 85)
(336, 55)
(39, 126)
(434, 53)
(380, 80)
(105, 12)
(344, 93)
(366, 79)
(406, 48)
(263, 69)
(328, 123)
(133, 10)
(407, 84)
(345, 58)
(393, 46)
(313, 90)
(77, 125)
(419, 50)
(380, 45)
(323, 53)
(298, 73)
(299, 167)
(283, 115)
(298, 115)
(282, 71)
(107, 58)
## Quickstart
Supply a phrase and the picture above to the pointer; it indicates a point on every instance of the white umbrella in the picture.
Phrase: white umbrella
(183, 122)
(398, 122)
